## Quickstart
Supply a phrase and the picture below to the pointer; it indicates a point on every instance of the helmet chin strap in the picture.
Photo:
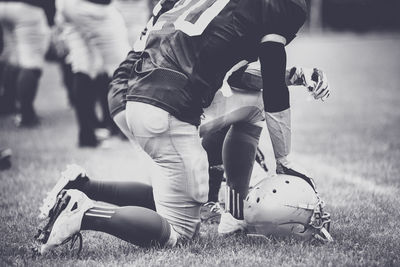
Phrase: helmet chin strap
(321, 221)
(324, 235)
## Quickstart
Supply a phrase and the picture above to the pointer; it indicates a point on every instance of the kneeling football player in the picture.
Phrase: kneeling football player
(135, 219)
(171, 137)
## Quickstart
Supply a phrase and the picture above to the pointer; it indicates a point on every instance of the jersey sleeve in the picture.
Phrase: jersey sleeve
(283, 17)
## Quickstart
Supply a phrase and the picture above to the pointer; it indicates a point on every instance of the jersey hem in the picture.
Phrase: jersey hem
(164, 106)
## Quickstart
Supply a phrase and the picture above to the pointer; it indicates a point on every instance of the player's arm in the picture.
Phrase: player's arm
(273, 72)
(276, 93)
(122, 73)
(277, 106)
(248, 77)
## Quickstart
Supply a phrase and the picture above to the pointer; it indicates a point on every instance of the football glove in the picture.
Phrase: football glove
(285, 166)
(313, 79)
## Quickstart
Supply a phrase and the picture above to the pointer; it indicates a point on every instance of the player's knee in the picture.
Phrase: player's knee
(251, 129)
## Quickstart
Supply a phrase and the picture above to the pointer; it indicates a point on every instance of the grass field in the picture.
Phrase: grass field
(350, 144)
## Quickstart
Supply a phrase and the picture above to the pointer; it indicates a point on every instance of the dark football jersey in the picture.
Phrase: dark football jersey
(191, 47)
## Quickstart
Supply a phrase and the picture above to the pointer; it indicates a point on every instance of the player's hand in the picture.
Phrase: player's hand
(313, 79)
(286, 166)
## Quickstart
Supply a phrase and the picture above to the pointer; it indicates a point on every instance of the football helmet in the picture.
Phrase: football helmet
(284, 205)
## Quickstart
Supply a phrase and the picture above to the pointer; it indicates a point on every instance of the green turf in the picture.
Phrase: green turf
(350, 144)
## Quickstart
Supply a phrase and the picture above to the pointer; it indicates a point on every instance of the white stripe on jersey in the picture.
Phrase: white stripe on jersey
(274, 38)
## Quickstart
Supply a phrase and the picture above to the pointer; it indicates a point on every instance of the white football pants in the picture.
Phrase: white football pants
(95, 35)
(180, 184)
(26, 34)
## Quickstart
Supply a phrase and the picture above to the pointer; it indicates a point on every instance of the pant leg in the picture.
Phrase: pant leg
(182, 185)
(103, 29)
(228, 109)
(32, 35)
(244, 111)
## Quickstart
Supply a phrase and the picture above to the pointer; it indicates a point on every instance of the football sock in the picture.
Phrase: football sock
(8, 79)
(101, 84)
(238, 154)
(213, 143)
(68, 77)
(27, 86)
(216, 174)
(84, 98)
(117, 193)
(137, 225)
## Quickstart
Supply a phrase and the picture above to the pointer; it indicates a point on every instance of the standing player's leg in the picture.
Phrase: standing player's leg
(84, 96)
(109, 37)
(32, 36)
(238, 155)
(278, 123)
(244, 111)
(113, 45)
(8, 70)
(82, 60)
(8, 79)
(213, 144)
(101, 83)
(27, 86)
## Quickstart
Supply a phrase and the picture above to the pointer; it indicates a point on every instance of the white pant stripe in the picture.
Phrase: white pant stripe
(103, 211)
(98, 215)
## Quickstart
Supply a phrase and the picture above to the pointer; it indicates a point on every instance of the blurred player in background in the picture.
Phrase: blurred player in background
(136, 13)
(5, 153)
(97, 41)
(8, 78)
(26, 33)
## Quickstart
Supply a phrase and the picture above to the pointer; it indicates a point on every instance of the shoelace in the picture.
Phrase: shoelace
(215, 207)
(73, 239)
(215, 210)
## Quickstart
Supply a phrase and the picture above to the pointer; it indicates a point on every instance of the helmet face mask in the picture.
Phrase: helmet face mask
(284, 205)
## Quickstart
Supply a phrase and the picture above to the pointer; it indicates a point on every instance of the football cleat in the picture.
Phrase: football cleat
(65, 220)
(71, 173)
(230, 225)
(210, 212)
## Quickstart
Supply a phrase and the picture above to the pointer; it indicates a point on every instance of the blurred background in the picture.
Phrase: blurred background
(354, 15)
(350, 143)
(361, 16)
(334, 29)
